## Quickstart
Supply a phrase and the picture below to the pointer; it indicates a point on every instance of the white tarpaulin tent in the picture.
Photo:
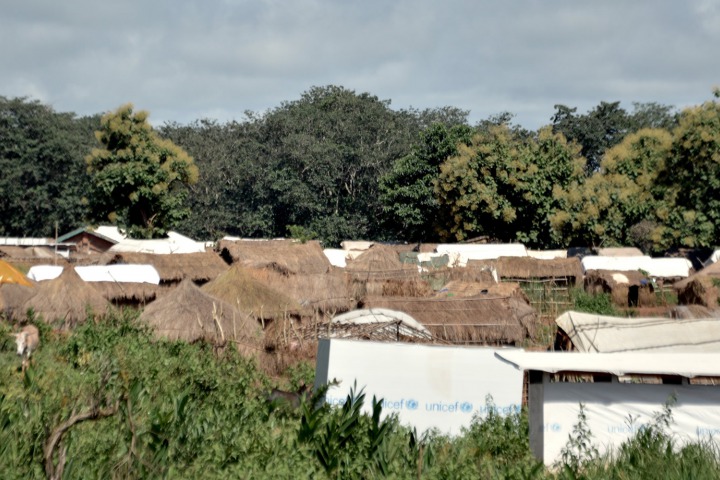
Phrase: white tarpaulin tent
(125, 273)
(547, 254)
(483, 251)
(598, 333)
(408, 326)
(174, 243)
(655, 267)
(427, 386)
(339, 257)
(554, 406)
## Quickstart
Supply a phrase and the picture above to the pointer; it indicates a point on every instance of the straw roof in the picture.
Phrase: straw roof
(127, 293)
(480, 319)
(711, 271)
(701, 290)
(66, 299)
(285, 256)
(12, 298)
(187, 313)
(618, 284)
(238, 288)
(534, 268)
(319, 292)
(378, 262)
(200, 267)
(459, 288)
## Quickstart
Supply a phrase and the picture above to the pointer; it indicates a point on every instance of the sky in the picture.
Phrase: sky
(185, 60)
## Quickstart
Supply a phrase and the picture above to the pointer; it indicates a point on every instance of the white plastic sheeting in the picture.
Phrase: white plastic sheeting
(609, 406)
(121, 273)
(655, 267)
(125, 273)
(604, 334)
(175, 243)
(360, 245)
(408, 325)
(484, 251)
(339, 257)
(426, 386)
(682, 364)
(44, 272)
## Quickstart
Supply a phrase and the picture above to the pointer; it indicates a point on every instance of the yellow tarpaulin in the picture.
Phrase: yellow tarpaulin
(9, 274)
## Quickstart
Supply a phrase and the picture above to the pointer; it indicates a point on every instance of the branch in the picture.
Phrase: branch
(56, 437)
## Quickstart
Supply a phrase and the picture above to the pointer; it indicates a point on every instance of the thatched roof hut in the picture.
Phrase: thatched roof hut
(12, 298)
(238, 288)
(187, 313)
(460, 288)
(316, 292)
(380, 261)
(626, 288)
(560, 270)
(482, 319)
(66, 299)
(699, 290)
(285, 256)
(200, 267)
(128, 294)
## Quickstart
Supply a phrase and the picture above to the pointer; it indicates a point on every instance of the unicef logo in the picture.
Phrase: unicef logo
(466, 407)
(412, 404)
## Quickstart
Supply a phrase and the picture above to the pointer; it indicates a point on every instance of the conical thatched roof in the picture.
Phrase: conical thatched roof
(129, 294)
(9, 274)
(482, 319)
(172, 268)
(238, 288)
(186, 313)
(285, 256)
(711, 271)
(380, 262)
(66, 299)
(12, 297)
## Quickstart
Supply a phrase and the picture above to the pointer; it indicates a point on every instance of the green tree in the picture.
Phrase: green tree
(617, 205)
(138, 178)
(43, 173)
(692, 176)
(501, 185)
(606, 125)
(407, 194)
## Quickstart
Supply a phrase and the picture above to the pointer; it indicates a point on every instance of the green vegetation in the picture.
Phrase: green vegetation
(600, 303)
(107, 401)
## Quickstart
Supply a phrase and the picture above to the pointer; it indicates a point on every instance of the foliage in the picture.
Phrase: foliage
(409, 204)
(501, 185)
(579, 450)
(622, 193)
(138, 177)
(606, 125)
(691, 216)
(43, 174)
(599, 303)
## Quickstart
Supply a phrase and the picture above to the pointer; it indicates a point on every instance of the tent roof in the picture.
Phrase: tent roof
(683, 364)
(409, 326)
(485, 251)
(9, 274)
(604, 334)
(656, 267)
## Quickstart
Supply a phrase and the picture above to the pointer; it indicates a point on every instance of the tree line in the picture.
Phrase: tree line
(336, 164)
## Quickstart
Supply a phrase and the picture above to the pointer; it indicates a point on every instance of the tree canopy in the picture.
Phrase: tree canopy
(138, 178)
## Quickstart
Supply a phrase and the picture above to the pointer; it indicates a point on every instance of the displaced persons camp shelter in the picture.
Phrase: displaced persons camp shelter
(93, 240)
(174, 243)
(626, 288)
(66, 300)
(659, 268)
(187, 313)
(426, 386)
(200, 267)
(377, 324)
(283, 255)
(460, 253)
(604, 334)
(700, 288)
(480, 319)
(10, 274)
(616, 395)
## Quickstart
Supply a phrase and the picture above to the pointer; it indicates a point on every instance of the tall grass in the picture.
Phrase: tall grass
(108, 401)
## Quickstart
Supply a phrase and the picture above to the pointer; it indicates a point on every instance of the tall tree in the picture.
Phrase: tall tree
(618, 204)
(43, 173)
(692, 175)
(138, 178)
(501, 185)
(407, 192)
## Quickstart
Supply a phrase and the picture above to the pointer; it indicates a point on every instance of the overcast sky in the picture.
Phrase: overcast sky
(183, 60)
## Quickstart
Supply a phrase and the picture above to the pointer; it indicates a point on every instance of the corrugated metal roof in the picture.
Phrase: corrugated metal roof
(687, 365)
